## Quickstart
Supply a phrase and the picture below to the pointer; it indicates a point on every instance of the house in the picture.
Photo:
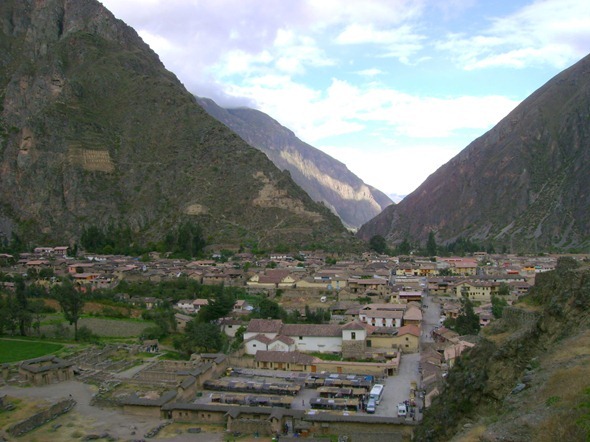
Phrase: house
(272, 279)
(382, 315)
(408, 338)
(462, 266)
(279, 360)
(476, 290)
(368, 286)
(322, 338)
(267, 327)
(241, 307)
(186, 305)
(408, 296)
(453, 351)
(230, 326)
(199, 303)
(412, 315)
(272, 334)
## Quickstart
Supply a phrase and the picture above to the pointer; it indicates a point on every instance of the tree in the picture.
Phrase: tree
(446, 272)
(71, 302)
(378, 244)
(467, 323)
(269, 309)
(504, 289)
(404, 247)
(200, 337)
(23, 315)
(431, 247)
(498, 304)
(37, 309)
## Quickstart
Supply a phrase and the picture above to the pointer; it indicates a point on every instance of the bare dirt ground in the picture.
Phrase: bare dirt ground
(85, 419)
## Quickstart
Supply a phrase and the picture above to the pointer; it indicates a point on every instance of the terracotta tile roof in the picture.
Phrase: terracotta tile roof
(411, 329)
(293, 357)
(264, 326)
(318, 330)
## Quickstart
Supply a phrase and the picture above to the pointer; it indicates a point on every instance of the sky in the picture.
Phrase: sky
(392, 88)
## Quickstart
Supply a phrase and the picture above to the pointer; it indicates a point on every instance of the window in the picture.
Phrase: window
(353, 335)
(301, 338)
(253, 345)
(369, 343)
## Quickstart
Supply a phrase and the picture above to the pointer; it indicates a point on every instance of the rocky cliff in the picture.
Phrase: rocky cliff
(94, 130)
(325, 179)
(523, 185)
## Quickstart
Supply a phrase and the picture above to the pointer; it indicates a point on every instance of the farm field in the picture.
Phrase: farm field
(103, 327)
(12, 350)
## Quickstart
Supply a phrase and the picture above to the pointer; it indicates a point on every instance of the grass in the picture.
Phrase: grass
(19, 350)
(327, 356)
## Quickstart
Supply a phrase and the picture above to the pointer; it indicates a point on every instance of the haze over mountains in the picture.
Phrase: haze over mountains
(523, 185)
(324, 178)
(95, 131)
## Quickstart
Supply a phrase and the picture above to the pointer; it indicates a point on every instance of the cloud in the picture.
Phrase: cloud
(315, 115)
(549, 32)
(401, 42)
(369, 72)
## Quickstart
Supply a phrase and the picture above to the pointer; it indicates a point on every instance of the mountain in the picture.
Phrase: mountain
(94, 131)
(321, 176)
(523, 185)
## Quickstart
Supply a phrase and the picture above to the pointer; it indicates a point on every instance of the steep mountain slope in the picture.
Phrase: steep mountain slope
(528, 379)
(523, 184)
(321, 176)
(94, 130)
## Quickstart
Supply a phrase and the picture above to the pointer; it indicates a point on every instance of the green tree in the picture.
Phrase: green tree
(71, 302)
(446, 272)
(404, 248)
(467, 323)
(498, 304)
(238, 338)
(267, 308)
(37, 309)
(21, 308)
(431, 247)
(201, 337)
(378, 244)
(504, 289)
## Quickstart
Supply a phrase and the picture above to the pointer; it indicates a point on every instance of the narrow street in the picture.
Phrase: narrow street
(430, 319)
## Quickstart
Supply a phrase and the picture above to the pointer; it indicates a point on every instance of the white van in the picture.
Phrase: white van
(402, 410)
(371, 406)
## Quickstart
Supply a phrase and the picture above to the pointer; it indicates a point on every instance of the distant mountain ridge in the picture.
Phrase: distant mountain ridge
(523, 185)
(324, 178)
(94, 131)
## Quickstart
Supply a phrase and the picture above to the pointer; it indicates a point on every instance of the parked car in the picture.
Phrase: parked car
(402, 410)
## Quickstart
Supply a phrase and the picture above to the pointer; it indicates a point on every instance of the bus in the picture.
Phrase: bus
(376, 393)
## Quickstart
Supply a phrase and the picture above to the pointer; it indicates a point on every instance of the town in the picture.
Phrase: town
(388, 331)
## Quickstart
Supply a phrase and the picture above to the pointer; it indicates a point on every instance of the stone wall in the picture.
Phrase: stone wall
(261, 427)
(520, 318)
(42, 417)
(353, 349)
